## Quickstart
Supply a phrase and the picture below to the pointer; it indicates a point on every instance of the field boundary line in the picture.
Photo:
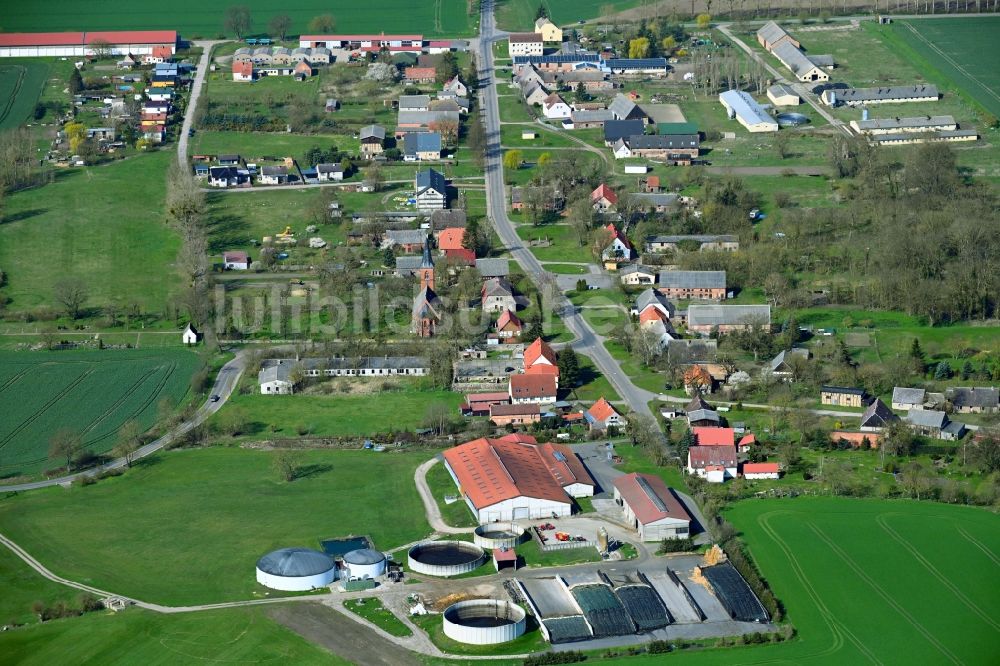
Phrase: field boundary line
(978, 544)
(918, 556)
(837, 628)
(880, 591)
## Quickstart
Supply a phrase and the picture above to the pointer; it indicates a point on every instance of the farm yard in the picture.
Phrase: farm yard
(213, 511)
(91, 393)
(20, 86)
(194, 19)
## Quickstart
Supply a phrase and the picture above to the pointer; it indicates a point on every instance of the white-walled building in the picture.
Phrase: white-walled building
(296, 570)
(514, 478)
(525, 44)
(651, 507)
(745, 109)
(81, 44)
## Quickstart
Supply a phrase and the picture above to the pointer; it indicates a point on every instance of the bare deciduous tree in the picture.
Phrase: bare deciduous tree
(72, 294)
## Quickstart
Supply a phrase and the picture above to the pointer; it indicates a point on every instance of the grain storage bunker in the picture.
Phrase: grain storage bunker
(446, 558)
(484, 621)
(295, 569)
(491, 536)
(364, 563)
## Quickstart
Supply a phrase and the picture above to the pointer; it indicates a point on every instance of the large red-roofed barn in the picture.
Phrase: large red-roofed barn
(514, 479)
(651, 507)
(80, 44)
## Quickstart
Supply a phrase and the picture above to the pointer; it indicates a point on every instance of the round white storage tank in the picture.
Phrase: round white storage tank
(364, 563)
(484, 621)
(490, 537)
(295, 570)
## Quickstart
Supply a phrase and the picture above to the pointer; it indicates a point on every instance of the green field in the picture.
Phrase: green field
(456, 514)
(102, 226)
(235, 635)
(20, 86)
(92, 393)
(215, 512)
(200, 19)
(960, 50)
(520, 14)
(22, 587)
(337, 415)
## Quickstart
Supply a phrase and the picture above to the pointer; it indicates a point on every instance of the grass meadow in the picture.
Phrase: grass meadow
(520, 14)
(194, 19)
(187, 527)
(92, 393)
(234, 635)
(102, 226)
(336, 415)
(20, 86)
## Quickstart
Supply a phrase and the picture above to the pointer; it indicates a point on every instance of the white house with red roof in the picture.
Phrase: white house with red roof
(715, 464)
(763, 470)
(651, 507)
(514, 478)
(619, 249)
(746, 443)
(242, 70)
(708, 436)
(533, 388)
(236, 260)
(602, 415)
(509, 326)
(540, 359)
(603, 198)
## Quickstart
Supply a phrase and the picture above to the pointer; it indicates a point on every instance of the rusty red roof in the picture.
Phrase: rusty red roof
(532, 386)
(649, 498)
(706, 436)
(703, 456)
(761, 468)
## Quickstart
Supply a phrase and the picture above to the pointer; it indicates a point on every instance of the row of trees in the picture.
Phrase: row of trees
(239, 21)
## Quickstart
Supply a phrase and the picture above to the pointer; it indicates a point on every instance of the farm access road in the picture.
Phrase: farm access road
(225, 383)
(192, 106)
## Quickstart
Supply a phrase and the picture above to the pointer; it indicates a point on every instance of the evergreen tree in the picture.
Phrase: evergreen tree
(535, 328)
(915, 351)
(942, 371)
(541, 12)
(967, 370)
(569, 368)
(75, 82)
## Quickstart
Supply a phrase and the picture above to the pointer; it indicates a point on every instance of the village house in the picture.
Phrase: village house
(420, 74)
(190, 335)
(660, 202)
(602, 415)
(636, 274)
(974, 400)
(588, 119)
(652, 300)
(549, 198)
(451, 243)
(540, 359)
(700, 414)
(525, 44)
(707, 285)
(764, 470)
(275, 380)
(651, 508)
(787, 363)
(619, 248)
(715, 464)
(227, 176)
(479, 404)
(405, 240)
(372, 140)
(490, 267)
(704, 319)
(274, 175)
(616, 131)
(509, 327)
(328, 172)
(549, 31)
(455, 86)
(554, 108)
(520, 414)
(905, 399)
(498, 295)
(236, 260)
(876, 417)
(421, 146)
(430, 190)
(603, 198)
(676, 150)
(622, 108)
(702, 243)
(447, 219)
(842, 396)
(534, 388)
(698, 381)
(414, 103)
(934, 423)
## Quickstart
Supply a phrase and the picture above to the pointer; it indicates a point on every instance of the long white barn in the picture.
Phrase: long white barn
(81, 44)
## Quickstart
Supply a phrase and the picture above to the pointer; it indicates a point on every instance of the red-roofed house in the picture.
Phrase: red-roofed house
(714, 436)
(651, 507)
(713, 463)
(420, 74)
(532, 388)
(504, 480)
(522, 414)
(619, 248)
(761, 470)
(236, 260)
(539, 353)
(652, 184)
(242, 70)
(697, 380)
(450, 243)
(509, 326)
(603, 415)
(603, 198)
(747, 442)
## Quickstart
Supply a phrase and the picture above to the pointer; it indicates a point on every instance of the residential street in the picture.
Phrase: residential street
(586, 341)
(199, 81)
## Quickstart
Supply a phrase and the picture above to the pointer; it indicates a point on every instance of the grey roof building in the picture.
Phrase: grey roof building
(663, 141)
(295, 562)
(652, 297)
(854, 96)
(625, 109)
(622, 129)
(906, 398)
(708, 316)
(877, 416)
(415, 143)
(974, 399)
(692, 279)
(448, 219)
(927, 418)
(372, 132)
(493, 267)
(414, 102)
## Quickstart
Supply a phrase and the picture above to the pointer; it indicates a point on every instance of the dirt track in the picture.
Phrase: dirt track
(347, 639)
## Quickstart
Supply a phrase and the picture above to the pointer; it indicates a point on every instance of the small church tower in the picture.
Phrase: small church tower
(427, 267)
